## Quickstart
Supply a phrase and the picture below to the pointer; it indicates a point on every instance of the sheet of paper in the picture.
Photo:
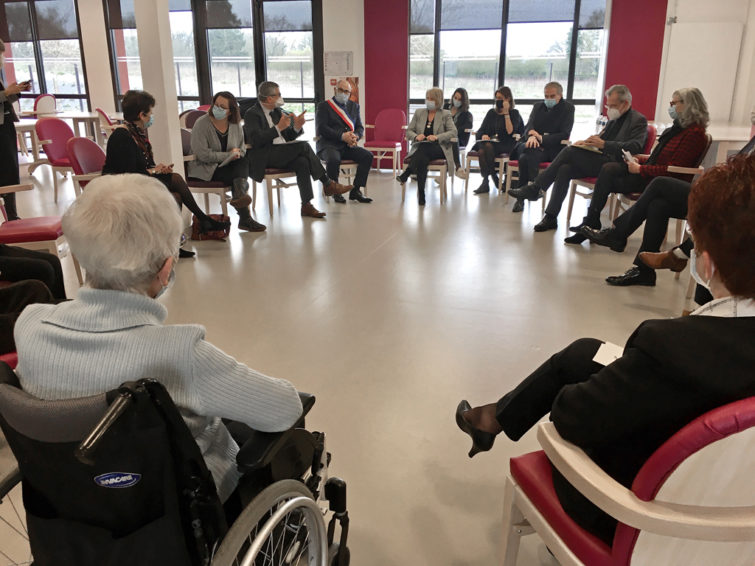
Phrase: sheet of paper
(608, 353)
(226, 161)
(588, 148)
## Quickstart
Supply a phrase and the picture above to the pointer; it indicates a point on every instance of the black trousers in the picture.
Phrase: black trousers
(238, 169)
(9, 164)
(570, 163)
(613, 178)
(664, 198)
(13, 299)
(18, 264)
(530, 159)
(333, 156)
(420, 160)
(488, 151)
(521, 409)
(300, 158)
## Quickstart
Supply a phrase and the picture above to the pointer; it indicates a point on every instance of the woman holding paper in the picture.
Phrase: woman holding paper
(217, 142)
(620, 404)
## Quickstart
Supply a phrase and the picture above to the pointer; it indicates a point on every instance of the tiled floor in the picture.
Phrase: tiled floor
(391, 314)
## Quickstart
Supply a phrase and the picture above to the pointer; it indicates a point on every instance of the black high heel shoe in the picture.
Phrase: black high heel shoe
(210, 225)
(481, 441)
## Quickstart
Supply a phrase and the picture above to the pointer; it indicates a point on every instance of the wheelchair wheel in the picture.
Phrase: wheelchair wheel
(282, 526)
(14, 550)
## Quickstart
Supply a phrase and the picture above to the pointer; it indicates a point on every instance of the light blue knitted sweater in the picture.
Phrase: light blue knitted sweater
(103, 338)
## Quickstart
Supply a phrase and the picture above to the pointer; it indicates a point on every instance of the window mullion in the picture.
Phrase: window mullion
(436, 44)
(504, 28)
(258, 32)
(573, 52)
(37, 48)
(201, 51)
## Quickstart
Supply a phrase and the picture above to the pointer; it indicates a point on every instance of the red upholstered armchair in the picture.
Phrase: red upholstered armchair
(693, 501)
(53, 133)
(87, 160)
(387, 136)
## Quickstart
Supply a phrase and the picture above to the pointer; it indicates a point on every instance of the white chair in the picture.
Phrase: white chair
(501, 160)
(693, 493)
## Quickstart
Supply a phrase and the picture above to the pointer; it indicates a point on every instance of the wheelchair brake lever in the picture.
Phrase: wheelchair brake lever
(85, 451)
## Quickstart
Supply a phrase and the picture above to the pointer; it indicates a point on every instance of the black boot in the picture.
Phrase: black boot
(246, 222)
(483, 188)
(240, 194)
(421, 196)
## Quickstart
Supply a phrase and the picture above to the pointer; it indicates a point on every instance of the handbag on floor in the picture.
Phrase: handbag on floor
(212, 234)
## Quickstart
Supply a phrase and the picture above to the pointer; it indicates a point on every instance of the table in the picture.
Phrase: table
(27, 126)
(727, 136)
(90, 121)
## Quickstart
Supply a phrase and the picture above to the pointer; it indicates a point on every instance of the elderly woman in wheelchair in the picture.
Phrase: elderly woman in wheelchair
(113, 471)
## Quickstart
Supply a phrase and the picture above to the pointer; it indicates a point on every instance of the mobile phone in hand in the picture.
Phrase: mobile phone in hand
(628, 156)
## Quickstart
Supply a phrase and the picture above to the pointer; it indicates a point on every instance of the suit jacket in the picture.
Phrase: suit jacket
(672, 371)
(10, 98)
(443, 127)
(260, 136)
(329, 126)
(553, 124)
(628, 132)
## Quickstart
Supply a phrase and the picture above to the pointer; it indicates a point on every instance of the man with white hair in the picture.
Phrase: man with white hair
(271, 132)
(626, 130)
(339, 128)
(125, 231)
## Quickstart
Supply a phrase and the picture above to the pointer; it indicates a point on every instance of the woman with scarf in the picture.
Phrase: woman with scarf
(129, 151)
(681, 145)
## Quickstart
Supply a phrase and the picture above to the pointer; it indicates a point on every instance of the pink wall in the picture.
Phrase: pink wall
(386, 56)
(635, 48)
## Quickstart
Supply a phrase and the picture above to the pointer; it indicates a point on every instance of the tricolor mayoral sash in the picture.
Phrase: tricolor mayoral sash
(341, 114)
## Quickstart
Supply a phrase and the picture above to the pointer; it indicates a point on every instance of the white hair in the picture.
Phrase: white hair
(623, 91)
(122, 229)
(695, 108)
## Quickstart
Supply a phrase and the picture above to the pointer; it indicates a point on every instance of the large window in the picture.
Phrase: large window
(482, 44)
(42, 44)
(229, 45)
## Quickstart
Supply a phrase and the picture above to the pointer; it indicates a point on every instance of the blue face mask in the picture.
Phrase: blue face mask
(673, 113)
(149, 122)
(218, 112)
(430, 104)
(693, 270)
(456, 103)
(342, 98)
(550, 102)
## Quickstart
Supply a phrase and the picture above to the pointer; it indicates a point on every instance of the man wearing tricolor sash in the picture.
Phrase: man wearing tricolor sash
(339, 129)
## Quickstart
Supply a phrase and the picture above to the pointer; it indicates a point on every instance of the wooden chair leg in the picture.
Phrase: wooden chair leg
(207, 203)
(223, 202)
(55, 186)
(510, 536)
(572, 191)
(269, 186)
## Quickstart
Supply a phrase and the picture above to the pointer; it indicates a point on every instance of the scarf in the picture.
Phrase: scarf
(142, 142)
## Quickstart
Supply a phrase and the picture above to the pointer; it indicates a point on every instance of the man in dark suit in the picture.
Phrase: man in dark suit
(671, 371)
(626, 130)
(271, 131)
(550, 123)
(339, 128)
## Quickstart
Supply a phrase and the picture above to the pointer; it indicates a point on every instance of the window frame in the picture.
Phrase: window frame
(569, 87)
(38, 58)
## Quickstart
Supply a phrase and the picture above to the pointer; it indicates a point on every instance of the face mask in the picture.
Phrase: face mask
(550, 102)
(672, 112)
(171, 278)
(456, 103)
(430, 104)
(499, 104)
(279, 102)
(613, 113)
(695, 275)
(342, 98)
(149, 122)
(218, 112)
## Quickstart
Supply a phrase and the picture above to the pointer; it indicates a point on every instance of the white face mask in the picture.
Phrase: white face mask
(456, 103)
(279, 102)
(171, 278)
(695, 274)
(613, 113)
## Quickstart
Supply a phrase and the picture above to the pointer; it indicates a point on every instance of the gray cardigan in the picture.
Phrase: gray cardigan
(443, 127)
(205, 146)
(103, 338)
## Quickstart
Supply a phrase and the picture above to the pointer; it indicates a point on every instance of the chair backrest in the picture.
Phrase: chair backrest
(104, 118)
(708, 143)
(85, 156)
(192, 117)
(650, 140)
(709, 462)
(45, 103)
(58, 133)
(124, 501)
(16, 107)
(204, 107)
(186, 141)
(388, 125)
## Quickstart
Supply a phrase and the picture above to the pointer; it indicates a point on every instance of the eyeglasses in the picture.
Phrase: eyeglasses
(343, 91)
(674, 102)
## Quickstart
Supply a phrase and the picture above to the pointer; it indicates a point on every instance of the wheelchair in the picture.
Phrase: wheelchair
(117, 479)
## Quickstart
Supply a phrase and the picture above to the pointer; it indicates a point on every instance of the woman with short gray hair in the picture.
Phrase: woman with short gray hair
(125, 231)
(431, 133)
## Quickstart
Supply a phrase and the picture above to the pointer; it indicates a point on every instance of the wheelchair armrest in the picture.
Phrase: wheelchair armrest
(260, 447)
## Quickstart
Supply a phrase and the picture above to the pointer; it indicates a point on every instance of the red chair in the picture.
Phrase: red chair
(692, 493)
(42, 233)
(205, 187)
(11, 358)
(53, 133)
(192, 116)
(387, 136)
(45, 104)
(589, 182)
(87, 160)
(107, 124)
(204, 107)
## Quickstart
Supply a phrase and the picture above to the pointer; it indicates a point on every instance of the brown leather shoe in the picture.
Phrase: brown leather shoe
(309, 210)
(663, 260)
(334, 188)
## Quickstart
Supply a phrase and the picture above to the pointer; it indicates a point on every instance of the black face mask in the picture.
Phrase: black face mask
(499, 104)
